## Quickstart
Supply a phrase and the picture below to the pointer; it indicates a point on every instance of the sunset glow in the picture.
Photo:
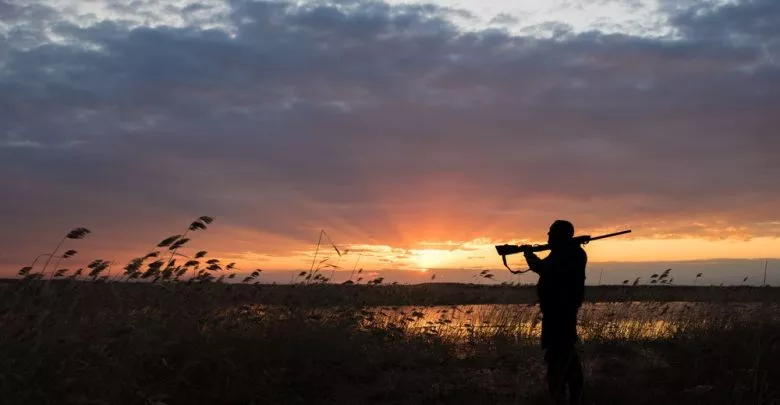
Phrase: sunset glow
(426, 259)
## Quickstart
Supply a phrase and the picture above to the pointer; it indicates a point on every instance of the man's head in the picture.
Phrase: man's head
(561, 232)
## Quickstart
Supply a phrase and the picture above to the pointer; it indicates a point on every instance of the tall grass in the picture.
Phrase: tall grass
(179, 343)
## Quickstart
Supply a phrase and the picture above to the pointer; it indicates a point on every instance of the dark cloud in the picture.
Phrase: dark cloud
(750, 21)
(387, 124)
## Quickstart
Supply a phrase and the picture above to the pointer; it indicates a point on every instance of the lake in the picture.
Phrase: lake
(624, 321)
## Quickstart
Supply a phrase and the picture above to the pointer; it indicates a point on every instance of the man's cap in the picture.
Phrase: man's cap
(563, 228)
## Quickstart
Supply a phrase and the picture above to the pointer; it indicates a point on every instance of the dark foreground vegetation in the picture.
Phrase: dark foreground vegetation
(421, 294)
(118, 343)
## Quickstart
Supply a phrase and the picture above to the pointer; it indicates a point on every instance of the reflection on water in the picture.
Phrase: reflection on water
(625, 321)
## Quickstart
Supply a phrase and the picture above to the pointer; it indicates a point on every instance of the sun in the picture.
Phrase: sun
(425, 259)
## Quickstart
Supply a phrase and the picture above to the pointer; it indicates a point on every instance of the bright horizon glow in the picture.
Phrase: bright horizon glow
(483, 255)
(425, 259)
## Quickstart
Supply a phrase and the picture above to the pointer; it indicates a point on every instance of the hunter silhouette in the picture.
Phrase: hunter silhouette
(560, 289)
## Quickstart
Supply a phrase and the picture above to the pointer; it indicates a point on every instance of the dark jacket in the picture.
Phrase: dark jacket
(561, 285)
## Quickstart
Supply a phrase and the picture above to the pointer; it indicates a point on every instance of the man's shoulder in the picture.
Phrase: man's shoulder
(576, 251)
(577, 255)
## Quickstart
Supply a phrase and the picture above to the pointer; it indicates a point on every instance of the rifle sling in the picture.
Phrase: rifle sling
(503, 258)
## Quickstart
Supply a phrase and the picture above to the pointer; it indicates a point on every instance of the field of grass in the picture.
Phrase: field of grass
(71, 342)
(176, 332)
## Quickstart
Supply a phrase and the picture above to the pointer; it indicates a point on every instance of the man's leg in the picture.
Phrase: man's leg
(574, 377)
(556, 374)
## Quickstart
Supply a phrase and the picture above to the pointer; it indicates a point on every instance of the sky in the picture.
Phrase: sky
(418, 135)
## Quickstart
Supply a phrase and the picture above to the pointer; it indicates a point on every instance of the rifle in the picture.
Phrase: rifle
(505, 250)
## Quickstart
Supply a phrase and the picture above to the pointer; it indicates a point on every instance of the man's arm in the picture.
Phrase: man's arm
(536, 264)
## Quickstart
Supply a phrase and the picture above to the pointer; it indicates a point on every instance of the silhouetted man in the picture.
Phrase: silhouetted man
(561, 287)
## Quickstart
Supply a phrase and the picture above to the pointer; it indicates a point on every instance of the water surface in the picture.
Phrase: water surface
(627, 321)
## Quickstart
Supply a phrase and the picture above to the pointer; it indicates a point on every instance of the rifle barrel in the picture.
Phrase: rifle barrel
(609, 235)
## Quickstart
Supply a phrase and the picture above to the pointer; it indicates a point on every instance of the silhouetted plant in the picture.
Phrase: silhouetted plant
(33, 277)
(76, 274)
(153, 269)
(665, 274)
(29, 268)
(178, 244)
(96, 267)
(376, 281)
(312, 270)
(352, 273)
(168, 241)
(252, 276)
(199, 224)
(133, 269)
(60, 273)
(77, 233)
(484, 274)
(68, 254)
(159, 269)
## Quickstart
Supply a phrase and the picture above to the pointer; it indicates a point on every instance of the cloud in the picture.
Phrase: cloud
(388, 124)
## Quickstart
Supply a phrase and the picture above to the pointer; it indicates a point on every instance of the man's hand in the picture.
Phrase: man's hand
(527, 251)
(536, 264)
